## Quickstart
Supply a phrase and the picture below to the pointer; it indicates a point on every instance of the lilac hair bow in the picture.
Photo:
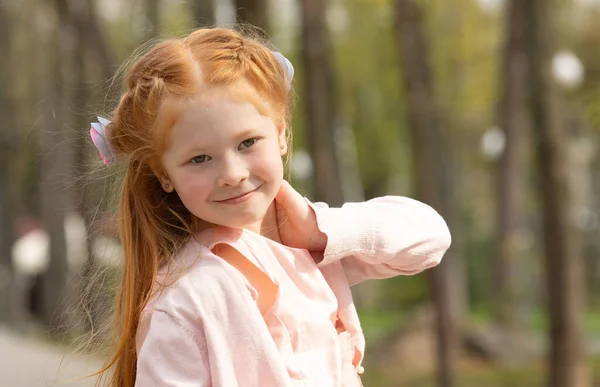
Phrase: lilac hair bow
(287, 67)
(98, 134)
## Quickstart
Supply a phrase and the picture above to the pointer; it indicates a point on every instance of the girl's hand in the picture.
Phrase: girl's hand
(297, 221)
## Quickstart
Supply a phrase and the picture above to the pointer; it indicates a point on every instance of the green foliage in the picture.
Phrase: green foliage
(465, 54)
(469, 374)
(585, 45)
(370, 97)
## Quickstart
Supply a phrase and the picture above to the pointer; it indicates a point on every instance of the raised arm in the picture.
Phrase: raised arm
(382, 237)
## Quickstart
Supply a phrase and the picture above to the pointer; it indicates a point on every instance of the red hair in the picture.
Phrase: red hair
(152, 224)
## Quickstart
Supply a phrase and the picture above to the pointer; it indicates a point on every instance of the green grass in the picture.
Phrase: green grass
(376, 323)
(538, 320)
(591, 321)
(469, 374)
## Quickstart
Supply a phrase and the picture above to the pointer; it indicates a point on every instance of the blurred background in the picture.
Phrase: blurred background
(488, 110)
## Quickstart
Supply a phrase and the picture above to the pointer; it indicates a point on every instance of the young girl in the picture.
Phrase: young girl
(232, 278)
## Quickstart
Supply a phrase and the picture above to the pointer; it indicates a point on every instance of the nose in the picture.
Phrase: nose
(233, 171)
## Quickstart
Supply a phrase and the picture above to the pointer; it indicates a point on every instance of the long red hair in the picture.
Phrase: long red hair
(153, 224)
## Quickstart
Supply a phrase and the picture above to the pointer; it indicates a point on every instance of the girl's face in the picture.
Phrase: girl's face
(224, 160)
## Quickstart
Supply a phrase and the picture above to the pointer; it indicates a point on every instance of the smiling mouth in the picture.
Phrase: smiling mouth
(239, 198)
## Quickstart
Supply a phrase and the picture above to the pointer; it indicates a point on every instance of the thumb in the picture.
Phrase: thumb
(290, 200)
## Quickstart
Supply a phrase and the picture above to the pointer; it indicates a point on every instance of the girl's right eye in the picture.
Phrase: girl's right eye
(199, 159)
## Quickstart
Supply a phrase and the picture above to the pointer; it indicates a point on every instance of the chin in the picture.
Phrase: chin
(242, 219)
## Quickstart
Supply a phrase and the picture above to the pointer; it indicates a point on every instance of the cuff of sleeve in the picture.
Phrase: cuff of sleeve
(343, 236)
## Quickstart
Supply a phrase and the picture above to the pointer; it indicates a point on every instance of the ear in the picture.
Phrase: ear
(282, 141)
(165, 182)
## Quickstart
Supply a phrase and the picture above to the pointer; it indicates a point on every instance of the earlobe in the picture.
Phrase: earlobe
(165, 183)
(163, 179)
(282, 141)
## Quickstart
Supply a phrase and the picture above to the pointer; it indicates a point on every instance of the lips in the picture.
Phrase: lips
(238, 198)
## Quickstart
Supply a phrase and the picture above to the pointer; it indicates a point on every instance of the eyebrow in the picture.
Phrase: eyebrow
(240, 136)
(248, 132)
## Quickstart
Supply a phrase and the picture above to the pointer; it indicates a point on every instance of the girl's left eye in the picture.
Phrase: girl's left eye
(248, 143)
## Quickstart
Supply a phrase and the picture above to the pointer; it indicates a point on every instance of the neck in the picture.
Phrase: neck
(267, 226)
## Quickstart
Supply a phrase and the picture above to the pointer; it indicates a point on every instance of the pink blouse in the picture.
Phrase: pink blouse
(204, 328)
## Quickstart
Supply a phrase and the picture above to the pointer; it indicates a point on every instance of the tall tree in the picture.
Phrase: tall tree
(562, 240)
(320, 102)
(203, 12)
(88, 27)
(428, 165)
(511, 116)
(152, 18)
(254, 12)
(7, 144)
(90, 44)
(53, 171)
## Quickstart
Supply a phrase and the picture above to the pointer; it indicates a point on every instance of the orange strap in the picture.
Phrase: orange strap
(266, 289)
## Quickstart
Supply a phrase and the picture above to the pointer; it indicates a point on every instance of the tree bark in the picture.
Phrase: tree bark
(152, 19)
(87, 199)
(320, 104)
(53, 170)
(88, 27)
(92, 45)
(203, 13)
(428, 167)
(86, 22)
(511, 116)
(562, 240)
(7, 144)
(254, 12)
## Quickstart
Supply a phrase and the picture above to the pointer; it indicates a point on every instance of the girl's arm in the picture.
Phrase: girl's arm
(206, 331)
(171, 355)
(382, 237)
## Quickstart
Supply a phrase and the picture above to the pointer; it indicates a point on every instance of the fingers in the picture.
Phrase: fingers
(281, 202)
(291, 201)
(283, 193)
(290, 192)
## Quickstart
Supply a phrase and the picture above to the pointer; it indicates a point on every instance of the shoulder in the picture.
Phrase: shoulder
(197, 287)
(198, 277)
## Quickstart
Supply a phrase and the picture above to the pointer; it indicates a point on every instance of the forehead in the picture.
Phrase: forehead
(217, 114)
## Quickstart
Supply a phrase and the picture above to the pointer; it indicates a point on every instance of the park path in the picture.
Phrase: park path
(29, 362)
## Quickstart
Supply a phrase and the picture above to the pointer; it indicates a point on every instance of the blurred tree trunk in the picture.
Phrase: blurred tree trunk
(89, 26)
(203, 12)
(451, 24)
(53, 170)
(152, 18)
(562, 240)
(88, 190)
(454, 265)
(428, 167)
(255, 12)
(320, 104)
(7, 144)
(511, 116)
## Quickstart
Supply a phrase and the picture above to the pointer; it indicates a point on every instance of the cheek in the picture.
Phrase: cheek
(192, 188)
(268, 164)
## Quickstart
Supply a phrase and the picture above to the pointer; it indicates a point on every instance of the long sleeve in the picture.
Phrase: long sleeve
(382, 237)
(172, 355)
(206, 331)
